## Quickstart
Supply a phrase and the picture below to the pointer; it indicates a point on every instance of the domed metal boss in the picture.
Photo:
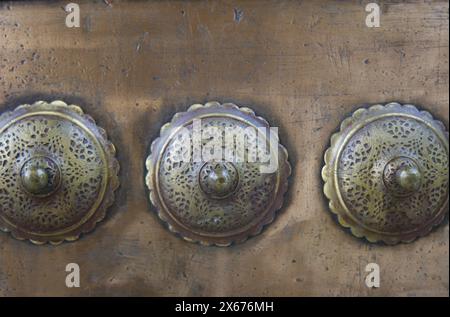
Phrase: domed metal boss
(58, 172)
(386, 173)
(217, 174)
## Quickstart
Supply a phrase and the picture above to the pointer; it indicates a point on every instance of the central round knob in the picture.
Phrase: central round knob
(402, 176)
(409, 178)
(40, 176)
(218, 179)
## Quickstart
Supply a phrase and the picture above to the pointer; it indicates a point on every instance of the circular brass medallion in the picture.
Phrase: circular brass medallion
(386, 173)
(209, 178)
(58, 172)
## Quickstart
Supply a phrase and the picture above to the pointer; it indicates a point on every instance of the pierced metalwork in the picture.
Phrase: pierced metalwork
(386, 173)
(215, 201)
(58, 172)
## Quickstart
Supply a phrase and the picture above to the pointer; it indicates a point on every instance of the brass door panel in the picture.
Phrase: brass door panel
(303, 66)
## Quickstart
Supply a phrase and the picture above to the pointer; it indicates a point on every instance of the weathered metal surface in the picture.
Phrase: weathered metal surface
(58, 172)
(222, 185)
(303, 65)
(386, 173)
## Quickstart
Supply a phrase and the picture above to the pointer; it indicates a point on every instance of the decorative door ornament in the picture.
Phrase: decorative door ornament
(58, 172)
(386, 173)
(217, 201)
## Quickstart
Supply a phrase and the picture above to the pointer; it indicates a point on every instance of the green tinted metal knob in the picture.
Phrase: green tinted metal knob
(218, 179)
(40, 176)
(409, 179)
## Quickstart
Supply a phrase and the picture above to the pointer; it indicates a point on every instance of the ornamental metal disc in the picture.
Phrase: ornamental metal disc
(209, 178)
(386, 173)
(58, 172)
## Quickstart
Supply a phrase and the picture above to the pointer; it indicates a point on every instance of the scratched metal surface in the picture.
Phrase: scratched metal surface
(301, 64)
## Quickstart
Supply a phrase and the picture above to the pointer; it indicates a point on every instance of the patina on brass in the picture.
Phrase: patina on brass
(213, 202)
(40, 176)
(386, 173)
(58, 172)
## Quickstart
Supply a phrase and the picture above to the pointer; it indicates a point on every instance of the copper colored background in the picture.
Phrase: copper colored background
(303, 65)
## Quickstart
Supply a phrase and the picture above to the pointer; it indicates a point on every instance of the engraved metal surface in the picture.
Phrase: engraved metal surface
(58, 172)
(386, 173)
(218, 201)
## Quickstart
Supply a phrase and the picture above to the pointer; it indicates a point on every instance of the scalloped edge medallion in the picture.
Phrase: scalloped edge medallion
(212, 107)
(72, 111)
(338, 140)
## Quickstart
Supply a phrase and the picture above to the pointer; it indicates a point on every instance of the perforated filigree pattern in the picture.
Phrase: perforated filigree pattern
(217, 174)
(78, 159)
(361, 174)
(184, 196)
(386, 173)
